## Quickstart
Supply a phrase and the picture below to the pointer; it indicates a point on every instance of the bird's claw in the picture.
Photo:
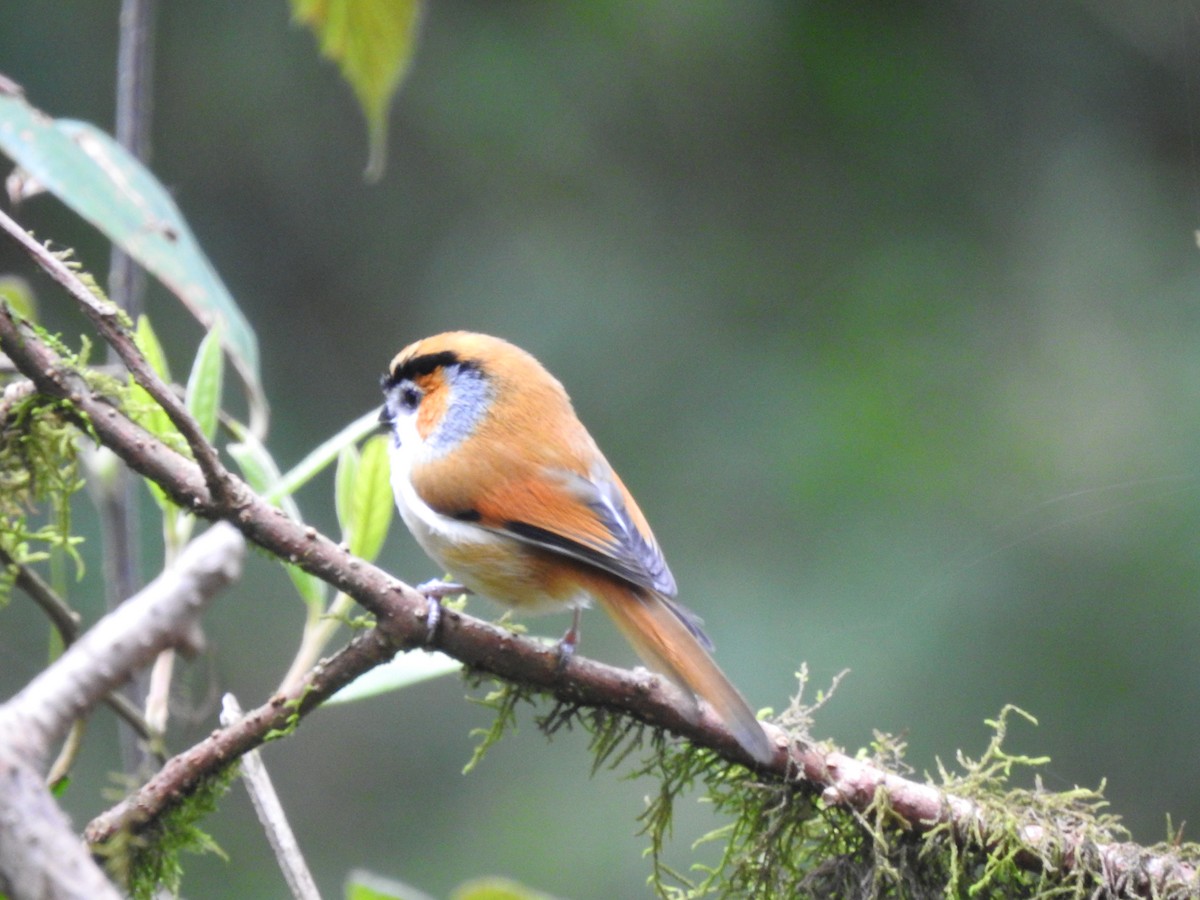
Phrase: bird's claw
(434, 593)
(568, 642)
(440, 590)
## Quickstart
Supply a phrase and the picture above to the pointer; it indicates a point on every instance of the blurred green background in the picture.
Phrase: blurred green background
(885, 312)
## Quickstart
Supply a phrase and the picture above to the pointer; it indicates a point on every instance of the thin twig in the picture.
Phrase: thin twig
(126, 286)
(271, 815)
(64, 619)
(135, 79)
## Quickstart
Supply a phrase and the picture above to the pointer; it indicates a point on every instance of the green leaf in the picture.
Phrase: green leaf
(148, 343)
(145, 410)
(372, 500)
(363, 497)
(259, 469)
(103, 183)
(496, 888)
(362, 885)
(372, 41)
(312, 590)
(261, 473)
(204, 384)
(343, 490)
(404, 671)
(17, 293)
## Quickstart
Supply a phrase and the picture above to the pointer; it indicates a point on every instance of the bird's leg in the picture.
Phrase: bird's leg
(435, 592)
(568, 642)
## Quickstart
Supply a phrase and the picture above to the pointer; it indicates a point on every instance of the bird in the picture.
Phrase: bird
(503, 487)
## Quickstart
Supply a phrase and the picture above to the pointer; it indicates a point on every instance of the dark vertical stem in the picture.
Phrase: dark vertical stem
(135, 75)
(126, 284)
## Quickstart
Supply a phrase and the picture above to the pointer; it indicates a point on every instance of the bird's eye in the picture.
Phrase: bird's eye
(409, 397)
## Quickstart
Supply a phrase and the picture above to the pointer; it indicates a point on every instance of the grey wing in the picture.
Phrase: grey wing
(626, 552)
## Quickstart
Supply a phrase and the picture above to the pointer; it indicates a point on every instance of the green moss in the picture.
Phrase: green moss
(293, 720)
(39, 470)
(149, 861)
(782, 839)
(503, 702)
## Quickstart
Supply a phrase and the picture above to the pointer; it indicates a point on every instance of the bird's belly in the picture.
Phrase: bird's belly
(501, 568)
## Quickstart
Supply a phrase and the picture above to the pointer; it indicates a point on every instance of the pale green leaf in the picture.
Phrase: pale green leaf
(260, 471)
(496, 888)
(312, 590)
(372, 41)
(361, 885)
(372, 500)
(204, 384)
(258, 468)
(147, 342)
(343, 490)
(161, 500)
(18, 294)
(103, 183)
(145, 410)
(404, 671)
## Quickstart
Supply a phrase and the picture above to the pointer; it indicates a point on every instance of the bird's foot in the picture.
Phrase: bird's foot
(568, 642)
(435, 592)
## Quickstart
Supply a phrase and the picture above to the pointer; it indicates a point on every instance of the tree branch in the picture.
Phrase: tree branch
(39, 854)
(163, 614)
(66, 622)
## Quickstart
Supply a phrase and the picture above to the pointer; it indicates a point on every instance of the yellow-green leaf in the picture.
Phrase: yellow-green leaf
(204, 383)
(496, 888)
(372, 41)
(363, 885)
(372, 500)
(145, 409)
(259, 469)
(343, 490)
(17, 293)
(147, 342)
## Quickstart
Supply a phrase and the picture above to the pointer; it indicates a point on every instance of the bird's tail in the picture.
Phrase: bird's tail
(672, 644)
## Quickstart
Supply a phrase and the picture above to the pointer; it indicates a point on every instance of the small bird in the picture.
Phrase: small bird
(503, 487)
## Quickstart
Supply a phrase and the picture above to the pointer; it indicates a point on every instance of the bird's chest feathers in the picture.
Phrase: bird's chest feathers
(489, 562)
